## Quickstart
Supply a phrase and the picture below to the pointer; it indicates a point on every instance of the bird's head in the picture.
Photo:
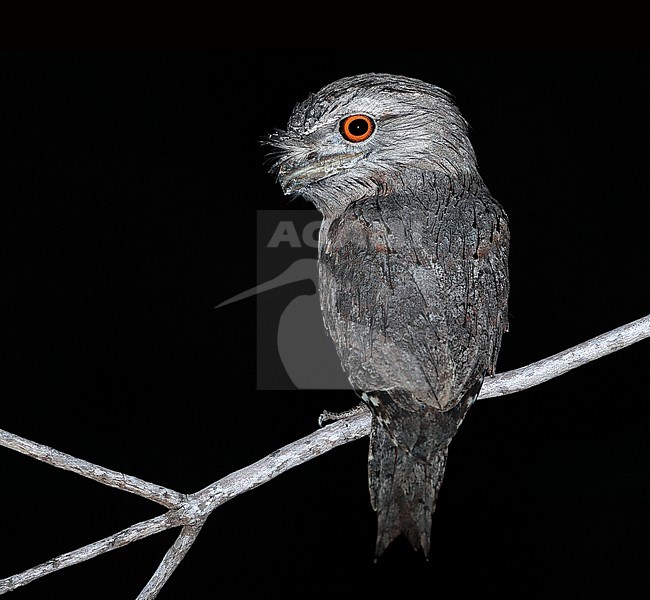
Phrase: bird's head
(361, 136)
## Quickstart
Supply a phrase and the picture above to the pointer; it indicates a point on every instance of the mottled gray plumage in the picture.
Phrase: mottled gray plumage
(413, 273)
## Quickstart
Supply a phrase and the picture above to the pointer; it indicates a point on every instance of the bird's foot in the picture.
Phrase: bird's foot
(326, 416)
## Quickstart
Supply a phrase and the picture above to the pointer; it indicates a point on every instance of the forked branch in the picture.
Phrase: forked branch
(191, 511)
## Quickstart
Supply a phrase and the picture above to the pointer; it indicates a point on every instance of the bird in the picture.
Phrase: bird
(413, 272)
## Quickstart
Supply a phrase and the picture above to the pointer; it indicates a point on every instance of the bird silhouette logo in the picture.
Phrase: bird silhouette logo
(305, 351)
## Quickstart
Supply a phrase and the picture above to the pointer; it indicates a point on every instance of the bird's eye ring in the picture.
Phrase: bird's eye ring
(357, 128)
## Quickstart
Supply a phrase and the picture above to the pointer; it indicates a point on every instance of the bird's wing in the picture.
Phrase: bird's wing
(414, 292)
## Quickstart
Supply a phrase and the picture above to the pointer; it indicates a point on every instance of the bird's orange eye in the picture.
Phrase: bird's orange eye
(357, 128)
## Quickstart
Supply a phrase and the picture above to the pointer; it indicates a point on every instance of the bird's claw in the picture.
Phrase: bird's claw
(327, 416)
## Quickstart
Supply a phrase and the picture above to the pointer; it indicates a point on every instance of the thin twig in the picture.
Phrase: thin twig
(191, 511)
(128, 483)
(171, 560)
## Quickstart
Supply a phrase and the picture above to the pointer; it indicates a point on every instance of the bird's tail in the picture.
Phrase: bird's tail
(403, 490)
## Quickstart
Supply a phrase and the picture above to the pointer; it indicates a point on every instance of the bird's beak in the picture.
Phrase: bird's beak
(295, 177)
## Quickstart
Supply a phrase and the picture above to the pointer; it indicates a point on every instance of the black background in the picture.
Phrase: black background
(129, 194)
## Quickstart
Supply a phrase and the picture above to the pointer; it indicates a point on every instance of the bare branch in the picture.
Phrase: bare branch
(121, 538)
(563, 362)
(170, 561)
(128, 483)
(191, 511)
(278, 462)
